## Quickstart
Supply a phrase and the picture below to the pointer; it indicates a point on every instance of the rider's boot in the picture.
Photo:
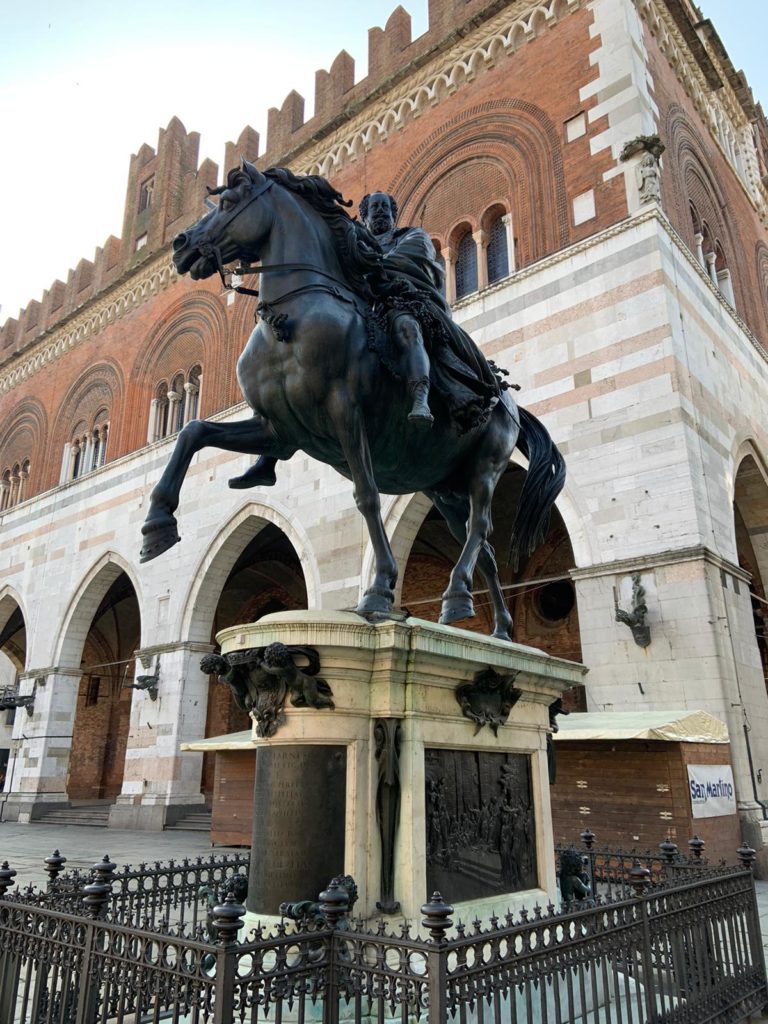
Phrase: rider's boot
(261, 474)
(420, 413)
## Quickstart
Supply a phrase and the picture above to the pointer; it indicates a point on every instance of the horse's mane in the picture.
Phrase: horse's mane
(357, 249)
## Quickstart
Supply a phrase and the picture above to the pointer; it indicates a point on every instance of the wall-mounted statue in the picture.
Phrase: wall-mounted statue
(422, 411)
(648, 169)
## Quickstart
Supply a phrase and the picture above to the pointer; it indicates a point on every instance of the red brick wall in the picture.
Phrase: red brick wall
(634, 794)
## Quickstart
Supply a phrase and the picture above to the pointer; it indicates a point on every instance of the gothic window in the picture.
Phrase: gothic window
(87, 449)
(466, 265)
(709, 253)
(172, 408)
(5, 491)
(145, 194)
(498, 250)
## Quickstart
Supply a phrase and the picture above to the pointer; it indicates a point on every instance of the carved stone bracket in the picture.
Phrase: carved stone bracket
(263, 678)
(387, 734)
(488, 699)
(635, 618)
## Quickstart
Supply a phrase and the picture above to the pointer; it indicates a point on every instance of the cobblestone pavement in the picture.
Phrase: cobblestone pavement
(26, 846)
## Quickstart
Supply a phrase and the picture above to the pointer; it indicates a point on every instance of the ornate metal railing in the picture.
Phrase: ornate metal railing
(608, 870)
(678, 952)
(152, 896)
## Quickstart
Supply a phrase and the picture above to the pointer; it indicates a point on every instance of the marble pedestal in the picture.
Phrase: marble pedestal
(461, 796)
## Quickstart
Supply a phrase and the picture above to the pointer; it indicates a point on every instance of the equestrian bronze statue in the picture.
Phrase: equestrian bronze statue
(356, 360)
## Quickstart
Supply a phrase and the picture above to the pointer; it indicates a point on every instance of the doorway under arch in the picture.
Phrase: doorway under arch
(540, 594)
(13, 659)
(266, 577)
(103, 703)
(750, 513)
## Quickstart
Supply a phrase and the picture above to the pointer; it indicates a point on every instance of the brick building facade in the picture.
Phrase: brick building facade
(628, 300)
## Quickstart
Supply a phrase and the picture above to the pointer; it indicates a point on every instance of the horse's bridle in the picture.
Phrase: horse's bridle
(212, 249)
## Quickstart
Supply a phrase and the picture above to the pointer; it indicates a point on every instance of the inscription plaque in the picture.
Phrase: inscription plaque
(481, 836)
(299, 818)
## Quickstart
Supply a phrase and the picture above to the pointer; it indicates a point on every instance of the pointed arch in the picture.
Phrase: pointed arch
(83, 605)
(217, 562)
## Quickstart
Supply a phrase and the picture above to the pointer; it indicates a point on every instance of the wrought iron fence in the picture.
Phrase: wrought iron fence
(608, 870)
(153, 896)
(678, 952)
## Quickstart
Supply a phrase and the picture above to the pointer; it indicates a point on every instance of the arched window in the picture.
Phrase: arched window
(466, 265)
(498, 250)
(5, 490)
(172, 408)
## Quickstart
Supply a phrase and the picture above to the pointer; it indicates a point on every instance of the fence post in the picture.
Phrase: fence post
(588, 838)
(334, 902)
(53, 865)
(437, 920)
(96, 899)
(9, 962)
(227, 920)
(640, 880)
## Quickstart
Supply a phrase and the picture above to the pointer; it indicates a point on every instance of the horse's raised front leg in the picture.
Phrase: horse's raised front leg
(160, 529)
(380, 596)
(454, 509)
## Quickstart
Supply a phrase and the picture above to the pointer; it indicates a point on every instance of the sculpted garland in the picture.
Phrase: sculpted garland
(356, 360)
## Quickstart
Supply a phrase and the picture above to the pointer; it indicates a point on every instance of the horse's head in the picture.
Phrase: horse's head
(223, 235)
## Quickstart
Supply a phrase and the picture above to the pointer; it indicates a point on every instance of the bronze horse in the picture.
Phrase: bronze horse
(315, 385)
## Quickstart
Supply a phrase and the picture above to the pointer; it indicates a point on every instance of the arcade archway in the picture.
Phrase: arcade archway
(750, 512)
(103, 707)
(540, 593)
(266, 577)
(13, 657)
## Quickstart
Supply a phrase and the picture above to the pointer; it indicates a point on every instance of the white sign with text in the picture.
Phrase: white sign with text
(711, 789)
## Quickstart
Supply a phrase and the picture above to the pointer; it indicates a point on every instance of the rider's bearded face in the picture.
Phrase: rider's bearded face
(379, 216)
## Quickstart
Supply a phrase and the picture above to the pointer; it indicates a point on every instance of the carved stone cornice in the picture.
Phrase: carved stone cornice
(710, 105)
(104, 310)
(483, 48)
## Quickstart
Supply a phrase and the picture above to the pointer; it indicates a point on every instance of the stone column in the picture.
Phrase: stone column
(5, 494)
(711, 260)
(450, 275)
(44, 742)
(160, 784)
(87, 464)
(698, 239)
(189, 402)
(507, 221)
(173, 405)
(66, 463)
(152, 426)
(481, 242)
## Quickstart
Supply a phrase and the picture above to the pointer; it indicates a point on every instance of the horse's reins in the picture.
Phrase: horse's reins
(212, 249)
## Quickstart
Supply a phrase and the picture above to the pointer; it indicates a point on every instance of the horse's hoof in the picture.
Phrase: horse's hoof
(375, 601)
(253, 477)
(455, 607)
(421, 419)
(160, 534)
(502, 634)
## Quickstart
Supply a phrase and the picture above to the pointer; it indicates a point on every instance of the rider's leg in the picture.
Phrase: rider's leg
(260, 474)
(408, 334)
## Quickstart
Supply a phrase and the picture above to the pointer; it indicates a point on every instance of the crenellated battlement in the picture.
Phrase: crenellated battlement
(166, 186)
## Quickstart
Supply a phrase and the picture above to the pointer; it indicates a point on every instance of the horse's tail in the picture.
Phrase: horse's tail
(543, 482)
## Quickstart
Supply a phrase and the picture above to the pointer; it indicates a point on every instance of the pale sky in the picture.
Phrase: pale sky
(84, 83)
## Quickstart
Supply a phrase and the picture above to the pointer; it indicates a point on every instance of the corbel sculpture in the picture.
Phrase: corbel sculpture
(488, 699)
(262, 679)
(635, 619)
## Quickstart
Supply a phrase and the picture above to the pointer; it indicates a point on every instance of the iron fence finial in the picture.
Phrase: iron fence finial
(437, 917)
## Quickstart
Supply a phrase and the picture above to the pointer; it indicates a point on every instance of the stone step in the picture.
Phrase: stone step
(199, 821)
(96, 816)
